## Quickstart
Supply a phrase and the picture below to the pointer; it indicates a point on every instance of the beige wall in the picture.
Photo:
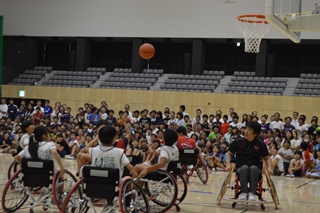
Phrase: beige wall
(158, 100)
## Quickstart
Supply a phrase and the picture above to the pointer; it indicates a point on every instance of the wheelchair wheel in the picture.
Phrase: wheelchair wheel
(14, 194)
(272, 189)
(224, 186)
(60, 188)
(132, 198)
(13, 168)
(183, 188)
(162, 189)
(202, 171)
(75, 202)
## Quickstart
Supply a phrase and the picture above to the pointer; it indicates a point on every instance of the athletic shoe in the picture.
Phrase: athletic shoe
(243, 196)
(251, 197)
(213, 169)
(190, 167)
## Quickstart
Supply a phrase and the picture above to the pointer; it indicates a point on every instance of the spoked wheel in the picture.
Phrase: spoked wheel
(61, 187)
(183, 188)
(14, 194)
(272, 189)
(162, 189)
(132, 198)
(202, 171)
(75, 202)
(13, 168)
(224, 186)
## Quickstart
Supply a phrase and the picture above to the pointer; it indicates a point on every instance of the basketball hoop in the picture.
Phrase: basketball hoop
(253, 27)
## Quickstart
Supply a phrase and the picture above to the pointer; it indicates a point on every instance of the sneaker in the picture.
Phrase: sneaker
(292, 176)
(251, 197)
(190, 167)
(243, 196)
(288, 175)
(213, 169)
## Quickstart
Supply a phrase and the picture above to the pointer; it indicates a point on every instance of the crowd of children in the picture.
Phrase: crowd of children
(294, 146)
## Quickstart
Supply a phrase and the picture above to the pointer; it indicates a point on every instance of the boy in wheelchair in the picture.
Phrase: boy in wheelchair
(249, 151)
(169, 152)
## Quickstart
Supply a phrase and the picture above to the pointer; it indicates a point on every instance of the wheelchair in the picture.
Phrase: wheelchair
(191, 157)
(38, 183)
(271, 188)
(100, 187)
(13, 168)
(161, 188)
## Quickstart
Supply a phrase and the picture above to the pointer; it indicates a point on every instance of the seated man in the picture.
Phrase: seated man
(249, 151)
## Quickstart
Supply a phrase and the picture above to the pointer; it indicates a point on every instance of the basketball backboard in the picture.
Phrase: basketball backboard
(287, 17)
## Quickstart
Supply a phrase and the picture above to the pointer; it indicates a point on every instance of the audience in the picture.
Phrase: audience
(143, 136)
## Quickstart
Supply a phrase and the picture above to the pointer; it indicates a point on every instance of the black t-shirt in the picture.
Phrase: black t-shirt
(111, 120)
(144, 120)
(249, 153)
(65, 146)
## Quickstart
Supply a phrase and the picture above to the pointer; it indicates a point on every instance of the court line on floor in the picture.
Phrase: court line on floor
(306, 183)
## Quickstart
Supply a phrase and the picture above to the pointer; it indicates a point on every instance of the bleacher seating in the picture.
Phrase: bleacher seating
(30, 77)
(194, 83)
(123, 78)
(247, 83)
(308, 85)
(74, 78)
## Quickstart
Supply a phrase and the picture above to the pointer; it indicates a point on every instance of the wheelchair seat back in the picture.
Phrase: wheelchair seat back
(134, 160)
(37, 173)
(100, 182)
(188, 156)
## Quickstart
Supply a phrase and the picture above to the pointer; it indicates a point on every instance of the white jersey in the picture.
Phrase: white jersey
(24, 141)
(171, 153)
(287, 153)
(4, 108)
(44, 151)
(108, 157)
(280, 161)
(276, 125)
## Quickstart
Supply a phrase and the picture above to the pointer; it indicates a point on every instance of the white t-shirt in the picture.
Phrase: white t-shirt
(3, 107)
(238, 125)
(172, 122)
(104, 116)
(171, 153)
(41, 109)
(286, 153)
(276, 125)
(295, 143)
(108, 157)
(190, 134)
(280, 161)
(194, 120)
(75, 142)
(303, 127)
(180, 122)
(44, 151)
(295, 123)
(24, 141)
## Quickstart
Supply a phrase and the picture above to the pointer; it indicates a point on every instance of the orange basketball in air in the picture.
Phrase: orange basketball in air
(146, 51)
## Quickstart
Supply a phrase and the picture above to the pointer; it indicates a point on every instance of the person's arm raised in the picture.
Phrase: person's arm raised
(124, 121)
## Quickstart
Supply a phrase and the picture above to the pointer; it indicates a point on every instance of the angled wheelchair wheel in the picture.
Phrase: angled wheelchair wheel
(202, 171)
(75, 202)
(132, 198)
(224, 186)
(162, 189)
(14, 194)
(183, 188)
(272, 189)
(61, 187)
(13, 168)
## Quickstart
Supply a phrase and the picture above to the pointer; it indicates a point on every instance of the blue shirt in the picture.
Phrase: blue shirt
(47, 111)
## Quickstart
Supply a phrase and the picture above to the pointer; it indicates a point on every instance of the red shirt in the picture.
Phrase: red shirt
(186, 143)
(224, 128)
(37, 117)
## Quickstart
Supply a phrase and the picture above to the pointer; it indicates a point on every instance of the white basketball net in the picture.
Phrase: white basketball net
(253, 30)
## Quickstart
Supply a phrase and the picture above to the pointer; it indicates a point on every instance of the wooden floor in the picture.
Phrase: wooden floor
(295, 194)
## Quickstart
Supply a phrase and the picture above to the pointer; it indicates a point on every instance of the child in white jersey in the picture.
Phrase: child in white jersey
(315, 173)
(40, 147)
(169, 152)
(27, 128)
(106, 155)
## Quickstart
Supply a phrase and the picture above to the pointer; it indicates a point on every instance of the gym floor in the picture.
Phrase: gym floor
(295, 194)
